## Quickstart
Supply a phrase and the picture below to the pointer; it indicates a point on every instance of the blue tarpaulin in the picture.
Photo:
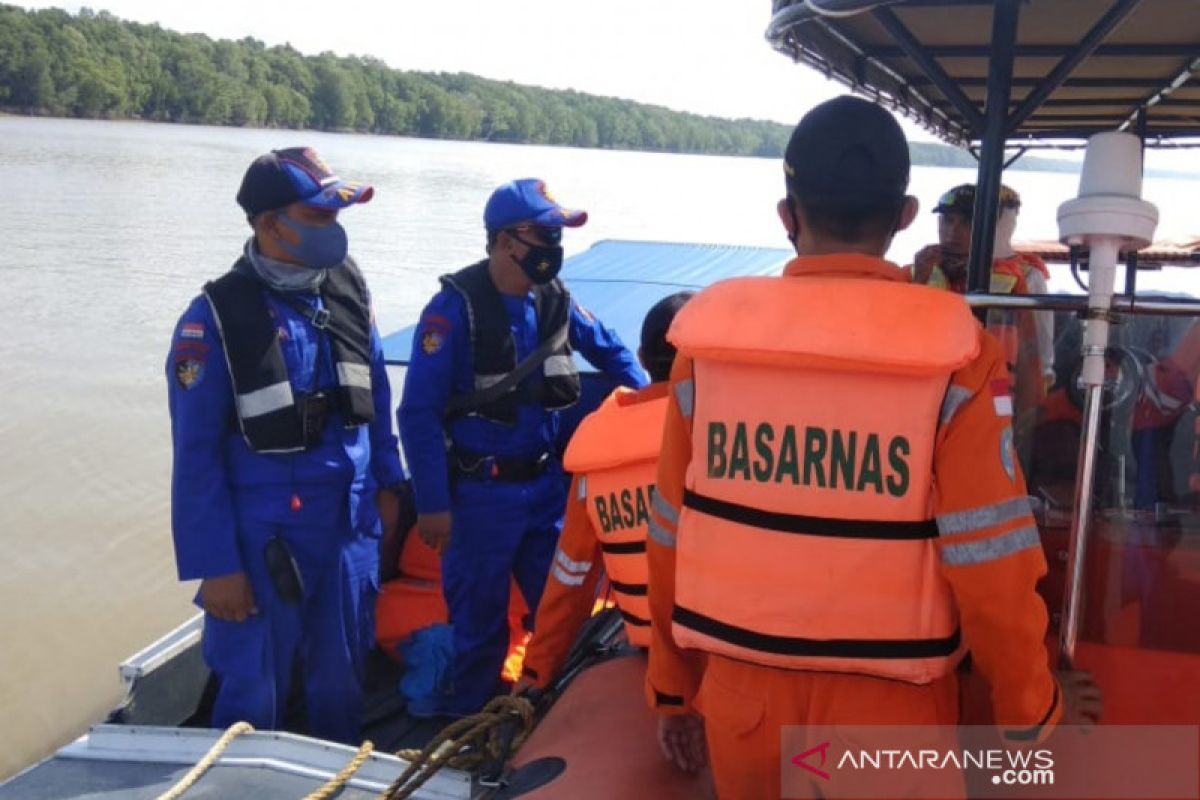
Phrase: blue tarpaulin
(618, 281)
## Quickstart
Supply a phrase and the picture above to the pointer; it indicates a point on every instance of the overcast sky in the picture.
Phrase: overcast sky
(704, 56)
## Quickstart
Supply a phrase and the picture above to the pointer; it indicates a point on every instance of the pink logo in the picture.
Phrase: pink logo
(823, 749)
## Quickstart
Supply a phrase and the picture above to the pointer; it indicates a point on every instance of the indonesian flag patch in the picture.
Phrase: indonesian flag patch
(1002, 397)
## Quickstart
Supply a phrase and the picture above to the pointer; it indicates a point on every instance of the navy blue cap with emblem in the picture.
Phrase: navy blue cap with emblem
(293, 175)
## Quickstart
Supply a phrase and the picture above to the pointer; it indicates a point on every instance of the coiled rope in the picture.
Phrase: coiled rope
(466, 744)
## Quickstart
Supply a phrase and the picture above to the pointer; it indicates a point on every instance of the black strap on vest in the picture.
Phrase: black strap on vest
(817, 648)
(811, 526)
(322, 320)
(633, 619)
(631, 589)
(494, 353)
(267, 409)
(623, 548)
(460, 404)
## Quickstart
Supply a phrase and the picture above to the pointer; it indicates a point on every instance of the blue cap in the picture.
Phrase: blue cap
(527, 200)
(297, 174)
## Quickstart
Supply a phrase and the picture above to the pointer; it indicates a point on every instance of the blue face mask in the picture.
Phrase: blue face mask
(320, 247)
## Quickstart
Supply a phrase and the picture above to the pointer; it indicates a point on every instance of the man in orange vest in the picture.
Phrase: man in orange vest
(613, 456)
(1026, 336)
(839, 515)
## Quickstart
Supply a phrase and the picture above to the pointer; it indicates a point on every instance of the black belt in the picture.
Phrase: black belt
(475, 466)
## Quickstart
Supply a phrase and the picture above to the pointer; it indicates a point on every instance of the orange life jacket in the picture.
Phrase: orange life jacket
(1015, 328)
(1009, 276)
(615, 454)
(805, 539)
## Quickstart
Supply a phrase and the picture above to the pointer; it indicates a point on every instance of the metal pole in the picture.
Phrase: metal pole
(933, 70)
(1085, 479)
(1095, 340)
(991, 155)
(1131, 265)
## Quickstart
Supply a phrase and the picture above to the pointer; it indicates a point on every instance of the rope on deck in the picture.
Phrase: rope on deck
(465, 744)
(195, 773)
(335, 783)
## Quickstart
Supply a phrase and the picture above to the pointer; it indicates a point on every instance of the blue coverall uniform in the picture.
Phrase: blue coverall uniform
(227, 501)
(499, 529)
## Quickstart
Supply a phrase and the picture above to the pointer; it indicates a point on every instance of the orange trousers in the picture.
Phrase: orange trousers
(745, 707)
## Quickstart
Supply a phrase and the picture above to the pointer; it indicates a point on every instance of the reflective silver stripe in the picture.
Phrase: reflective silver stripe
(581, 492)
(955, 397)
(265, 400)
(958, 555)
(565, 577)
(559, 365)
(685, 395)
(573, 566)
(660, 534)
(356, 375)
(484, 381)
(664, 509)
(976, 519)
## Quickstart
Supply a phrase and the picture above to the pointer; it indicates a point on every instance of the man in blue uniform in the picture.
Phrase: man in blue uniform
(283, 445)
(492, 364)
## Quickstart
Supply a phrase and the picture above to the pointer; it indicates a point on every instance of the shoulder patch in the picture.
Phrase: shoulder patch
(1008, 454)
(191, 330)
(189, 370)
(431, 342)
(433, 332)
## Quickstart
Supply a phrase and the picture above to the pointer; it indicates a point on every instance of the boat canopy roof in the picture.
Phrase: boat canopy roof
(1184, 253)
(618, 282)
(1079, 67)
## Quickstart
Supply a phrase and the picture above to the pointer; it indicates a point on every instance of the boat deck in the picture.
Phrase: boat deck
(134, 762)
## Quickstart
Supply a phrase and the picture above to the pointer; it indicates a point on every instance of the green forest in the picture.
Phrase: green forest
(95, 65)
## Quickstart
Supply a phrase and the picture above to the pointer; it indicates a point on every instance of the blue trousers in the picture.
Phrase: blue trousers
(331, 630)
(500, 531)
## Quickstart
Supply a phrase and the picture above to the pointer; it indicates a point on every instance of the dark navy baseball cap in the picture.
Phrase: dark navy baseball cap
(296, 174)
(527, 200)
(849, 153)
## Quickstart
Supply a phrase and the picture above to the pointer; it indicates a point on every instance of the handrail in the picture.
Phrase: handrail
(1059, 302)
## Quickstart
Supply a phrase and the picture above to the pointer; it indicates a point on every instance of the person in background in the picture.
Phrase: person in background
(839, 515)
(492, 364)
(1026, 336)
(283, 445)
(613, 458)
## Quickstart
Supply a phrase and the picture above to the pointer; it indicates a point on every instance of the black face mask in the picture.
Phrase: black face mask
(542, 263)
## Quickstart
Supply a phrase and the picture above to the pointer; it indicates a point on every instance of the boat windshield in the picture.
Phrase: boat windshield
(1142, 577)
